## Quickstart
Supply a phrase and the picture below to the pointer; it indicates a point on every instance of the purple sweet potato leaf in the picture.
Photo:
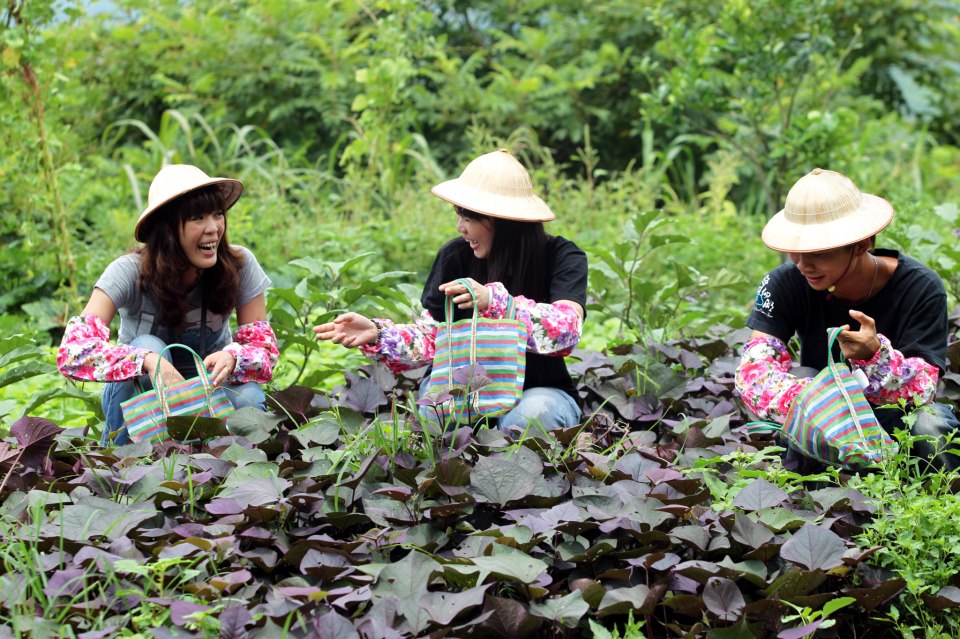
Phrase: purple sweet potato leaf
(500, 481)
(233, 623)
(35, 437)
(257, 492)
(224, 507)
(94, 517)
(298, 401)
(334, 626)
(760, 494)
(749, 533)
(180, 612)
(946, 597)
(31, 431)
(362, 394)
(568, 609)
(620, 601)
(814, 548)
(870, 597)
(8, 452)
(65, 583)
(723, 598)
(443, 607)
(510, 618)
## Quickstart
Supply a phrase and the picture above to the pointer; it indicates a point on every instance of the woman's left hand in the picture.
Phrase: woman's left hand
(461, 296)
(220, 364)
(862, 344)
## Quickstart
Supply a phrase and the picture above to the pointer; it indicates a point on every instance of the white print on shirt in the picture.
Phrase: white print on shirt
(763, 302)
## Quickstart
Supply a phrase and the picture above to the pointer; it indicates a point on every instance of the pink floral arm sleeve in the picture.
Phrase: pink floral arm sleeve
(86, 353)
(763, 380)
(255, 349)
(404, 347)
(552, 329)
(892, 376)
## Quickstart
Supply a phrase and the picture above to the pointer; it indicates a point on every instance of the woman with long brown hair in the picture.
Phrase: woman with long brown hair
(180, 286)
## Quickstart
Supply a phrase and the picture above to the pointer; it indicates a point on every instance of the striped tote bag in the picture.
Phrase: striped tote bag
(145, 415)
(831, 421)
(478, 367)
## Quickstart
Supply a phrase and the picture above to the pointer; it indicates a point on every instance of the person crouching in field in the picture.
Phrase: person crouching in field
(503, 244)
(180, 286)
(893, 307)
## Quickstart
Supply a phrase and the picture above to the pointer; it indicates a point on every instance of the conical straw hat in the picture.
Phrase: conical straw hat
(175, 180)
(496, 184)
(825, 210)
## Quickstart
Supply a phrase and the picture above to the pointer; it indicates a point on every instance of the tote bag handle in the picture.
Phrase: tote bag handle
(448, 317)
(158, 383)
(832, 334)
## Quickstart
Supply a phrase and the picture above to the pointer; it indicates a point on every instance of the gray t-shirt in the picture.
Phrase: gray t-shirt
(138, 311)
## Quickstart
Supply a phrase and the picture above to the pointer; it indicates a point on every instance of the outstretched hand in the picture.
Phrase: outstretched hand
(461, 296)
(862, 344)
(350, 330)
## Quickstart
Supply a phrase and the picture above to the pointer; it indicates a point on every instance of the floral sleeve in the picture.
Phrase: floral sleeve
(404, 347)
(552, 329)
(763, 380)
(255, 349)
(87, 354)
(892, 376)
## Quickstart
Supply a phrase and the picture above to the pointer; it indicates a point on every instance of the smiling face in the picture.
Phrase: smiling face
(200, 235)
(478, 231)
(823, 269)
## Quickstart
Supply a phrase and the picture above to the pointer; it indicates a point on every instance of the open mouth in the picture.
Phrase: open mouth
(210, 246)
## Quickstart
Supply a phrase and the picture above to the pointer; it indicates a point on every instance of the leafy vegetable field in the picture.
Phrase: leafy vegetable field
(340, 515)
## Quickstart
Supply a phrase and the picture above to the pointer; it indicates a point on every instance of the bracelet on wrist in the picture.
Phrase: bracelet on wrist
(379, 324)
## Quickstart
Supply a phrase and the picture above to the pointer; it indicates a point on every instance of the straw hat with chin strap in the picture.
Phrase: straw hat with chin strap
(825, 210)
(496, 184)
(175, 180)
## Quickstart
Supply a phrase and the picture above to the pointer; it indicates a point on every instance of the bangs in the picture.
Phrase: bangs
(201, 201)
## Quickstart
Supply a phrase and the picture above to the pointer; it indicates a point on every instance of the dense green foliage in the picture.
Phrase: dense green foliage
(662, 132)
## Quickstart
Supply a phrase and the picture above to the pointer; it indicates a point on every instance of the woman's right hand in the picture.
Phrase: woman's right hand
(168, 372)
(349, 329)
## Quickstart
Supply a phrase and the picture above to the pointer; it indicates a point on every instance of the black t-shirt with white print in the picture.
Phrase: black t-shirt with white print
(566, 265)
(910, 310)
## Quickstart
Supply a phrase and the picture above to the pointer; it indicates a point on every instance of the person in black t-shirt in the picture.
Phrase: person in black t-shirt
(893, 307)
(504, 245)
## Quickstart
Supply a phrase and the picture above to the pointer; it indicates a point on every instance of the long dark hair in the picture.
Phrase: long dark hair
(517, 257)
(163, 262)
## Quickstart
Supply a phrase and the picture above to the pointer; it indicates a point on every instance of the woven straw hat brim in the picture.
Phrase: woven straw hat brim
(529, 208)
(789, 236)
(230, 188)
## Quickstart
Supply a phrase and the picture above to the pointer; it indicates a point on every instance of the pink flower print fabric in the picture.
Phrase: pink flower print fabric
(552, 329)
(256, 352)
(86, 353)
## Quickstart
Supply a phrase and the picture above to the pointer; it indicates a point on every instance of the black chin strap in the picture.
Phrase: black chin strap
(833, 287)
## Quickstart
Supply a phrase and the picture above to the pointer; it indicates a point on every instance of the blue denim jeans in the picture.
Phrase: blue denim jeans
(114, 393)
(540, 408)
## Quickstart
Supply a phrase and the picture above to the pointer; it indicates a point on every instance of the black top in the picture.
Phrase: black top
(566, 267)
(910, 310)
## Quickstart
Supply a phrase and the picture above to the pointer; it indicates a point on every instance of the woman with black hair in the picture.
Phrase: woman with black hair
(180, 286)
(502, 243)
